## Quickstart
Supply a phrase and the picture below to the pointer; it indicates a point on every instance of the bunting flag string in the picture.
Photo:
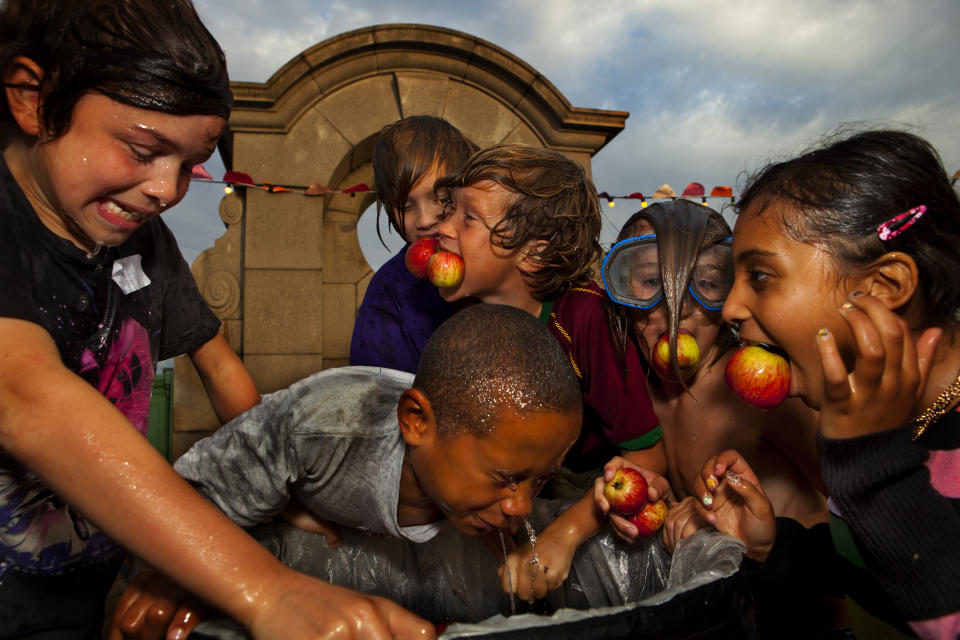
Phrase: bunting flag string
(237, 179)
(665, 192)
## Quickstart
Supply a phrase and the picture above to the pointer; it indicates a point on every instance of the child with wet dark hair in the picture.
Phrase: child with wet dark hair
(845, 257)
(488, 374)
(109, 104)
(526, 221)
(493, 409)
(400, 311)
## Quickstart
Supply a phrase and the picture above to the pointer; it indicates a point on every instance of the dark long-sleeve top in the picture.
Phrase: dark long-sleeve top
(893, 541)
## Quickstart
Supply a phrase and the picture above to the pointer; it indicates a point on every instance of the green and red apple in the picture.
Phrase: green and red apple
(758, 375)
(650, 518)
(445, 269)
(688, 355)
(627, 491)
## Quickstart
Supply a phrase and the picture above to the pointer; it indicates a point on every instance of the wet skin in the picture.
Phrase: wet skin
(650, 324)
(784, 292)
(491, 273)
(482, 484)
(115, 168)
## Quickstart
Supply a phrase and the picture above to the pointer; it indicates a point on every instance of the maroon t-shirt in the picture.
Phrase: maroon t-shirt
(617, 413)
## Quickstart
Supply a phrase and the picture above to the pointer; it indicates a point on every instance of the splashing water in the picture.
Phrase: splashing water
(503, 545)
(534, 558)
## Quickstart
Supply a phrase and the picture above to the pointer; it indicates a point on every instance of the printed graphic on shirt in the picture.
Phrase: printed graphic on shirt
(41, 532)
(126, 376)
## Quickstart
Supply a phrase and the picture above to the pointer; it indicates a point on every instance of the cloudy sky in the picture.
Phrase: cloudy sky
(714, 89)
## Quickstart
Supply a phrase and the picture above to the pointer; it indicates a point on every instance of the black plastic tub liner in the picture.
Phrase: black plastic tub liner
(614, 590)
(716, 610)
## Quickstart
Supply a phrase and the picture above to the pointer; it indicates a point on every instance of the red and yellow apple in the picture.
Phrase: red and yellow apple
(626, 492)
(688, 355)
(445, 269)
(650, 518)
(418, 253)
(758, 375)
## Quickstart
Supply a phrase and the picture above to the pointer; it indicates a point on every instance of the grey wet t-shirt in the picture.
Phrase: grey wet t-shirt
(331, 440)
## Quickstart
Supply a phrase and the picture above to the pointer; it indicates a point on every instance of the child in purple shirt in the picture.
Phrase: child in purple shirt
(399, 311)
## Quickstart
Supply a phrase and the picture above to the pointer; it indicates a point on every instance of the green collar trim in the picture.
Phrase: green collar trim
(545, 312)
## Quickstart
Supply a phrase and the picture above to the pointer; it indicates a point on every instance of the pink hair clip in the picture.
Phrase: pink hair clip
(900, 223)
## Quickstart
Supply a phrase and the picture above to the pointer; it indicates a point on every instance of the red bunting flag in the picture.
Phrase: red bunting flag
(636, 195)
(357, 188)
(693, 189)
(723, 191)
(237, 177)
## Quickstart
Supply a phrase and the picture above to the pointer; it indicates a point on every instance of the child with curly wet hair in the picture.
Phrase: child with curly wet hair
(526, 221)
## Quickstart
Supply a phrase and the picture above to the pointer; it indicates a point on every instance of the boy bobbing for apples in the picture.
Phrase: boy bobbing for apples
(526, 222)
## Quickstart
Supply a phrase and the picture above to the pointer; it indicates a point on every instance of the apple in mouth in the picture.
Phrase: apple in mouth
(627, 491)
(445, 269)
(688, 356)
(758, 375)
(418, 254)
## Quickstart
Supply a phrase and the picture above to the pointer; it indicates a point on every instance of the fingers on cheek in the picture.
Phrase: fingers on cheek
(867, 334)
(834, 372)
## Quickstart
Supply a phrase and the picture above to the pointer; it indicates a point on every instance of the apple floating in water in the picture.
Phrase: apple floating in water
(626, 491)
(418, 253)
(688, 355)
(759, 375)
(445, 269)
(650, 518)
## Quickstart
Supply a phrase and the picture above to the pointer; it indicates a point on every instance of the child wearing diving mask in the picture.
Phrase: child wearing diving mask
(668, 275)
(667, 278)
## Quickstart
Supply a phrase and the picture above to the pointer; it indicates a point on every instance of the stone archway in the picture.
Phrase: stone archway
(288, 275)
